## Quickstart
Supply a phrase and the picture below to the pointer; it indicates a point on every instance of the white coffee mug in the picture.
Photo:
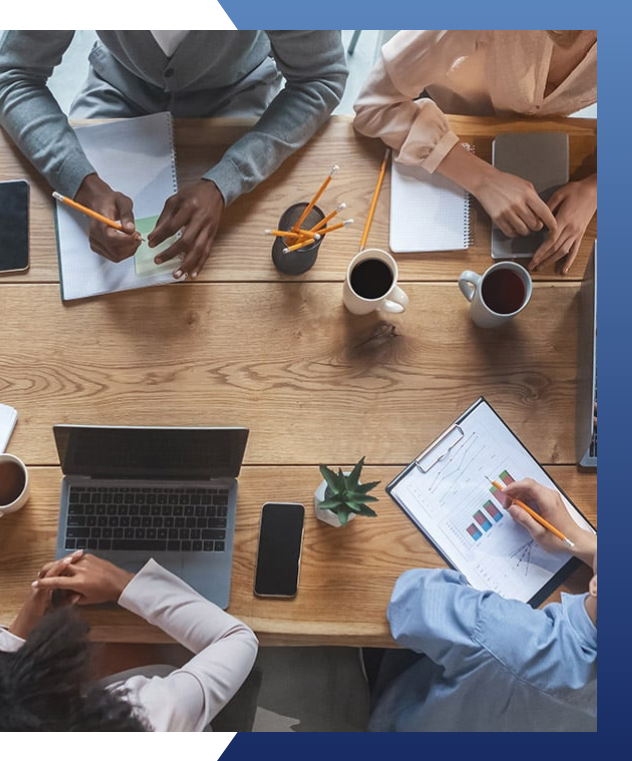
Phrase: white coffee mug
(21, 496)
(495, 300)
(392, 300)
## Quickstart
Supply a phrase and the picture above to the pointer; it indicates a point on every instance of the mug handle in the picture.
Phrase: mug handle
(397, 303)
(468, 283)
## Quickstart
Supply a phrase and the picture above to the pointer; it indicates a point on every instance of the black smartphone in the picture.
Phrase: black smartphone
(279, 554)
(14, 226)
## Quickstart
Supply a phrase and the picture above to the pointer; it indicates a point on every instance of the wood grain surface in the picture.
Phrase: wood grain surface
(347, 575)
(249, 346)
(311, 381)
(242, 250)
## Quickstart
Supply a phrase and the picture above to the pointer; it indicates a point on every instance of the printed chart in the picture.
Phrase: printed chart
(450, 497)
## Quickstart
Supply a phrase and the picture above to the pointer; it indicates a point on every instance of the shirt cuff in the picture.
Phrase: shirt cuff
(9, 642)
(440, 151)
(228, 178)
(67, 180)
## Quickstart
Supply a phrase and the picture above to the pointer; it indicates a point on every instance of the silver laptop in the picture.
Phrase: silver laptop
(132, 493)
(587, 367)
(541, 158)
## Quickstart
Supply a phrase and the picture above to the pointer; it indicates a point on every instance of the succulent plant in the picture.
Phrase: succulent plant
(345, 495)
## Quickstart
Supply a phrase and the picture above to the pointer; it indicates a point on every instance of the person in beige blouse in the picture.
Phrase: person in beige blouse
(424, 74)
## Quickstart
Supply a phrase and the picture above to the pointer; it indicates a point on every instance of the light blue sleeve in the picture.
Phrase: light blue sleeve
(30, 113)
(437, 613)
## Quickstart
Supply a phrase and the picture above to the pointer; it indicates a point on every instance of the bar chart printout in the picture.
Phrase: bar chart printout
(449, 497)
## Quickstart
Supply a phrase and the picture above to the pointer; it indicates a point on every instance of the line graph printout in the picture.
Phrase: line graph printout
(451, 500)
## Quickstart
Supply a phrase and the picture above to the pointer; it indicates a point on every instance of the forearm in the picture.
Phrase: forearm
(585, 546)
(314, 85)
(465, 169)
(30, 113)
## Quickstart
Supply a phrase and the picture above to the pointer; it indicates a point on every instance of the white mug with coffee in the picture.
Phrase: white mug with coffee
(371, 283)
(497, 295)
(14, 484)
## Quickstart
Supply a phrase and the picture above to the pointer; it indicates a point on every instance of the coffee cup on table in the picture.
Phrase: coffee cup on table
(497, 295)
(371, 284)
(14, 484)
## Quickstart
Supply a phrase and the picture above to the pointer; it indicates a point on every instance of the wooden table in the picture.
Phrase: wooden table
(248, 346)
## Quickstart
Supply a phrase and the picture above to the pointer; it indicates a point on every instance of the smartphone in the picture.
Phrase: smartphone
(279, 553)
(14, 226)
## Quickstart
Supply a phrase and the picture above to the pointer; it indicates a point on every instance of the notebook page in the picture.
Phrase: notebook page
(8, 417)
(135, 157)
(466, 518)
(428, 211)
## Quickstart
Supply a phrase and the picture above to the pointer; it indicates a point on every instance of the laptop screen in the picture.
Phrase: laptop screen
(151, 453)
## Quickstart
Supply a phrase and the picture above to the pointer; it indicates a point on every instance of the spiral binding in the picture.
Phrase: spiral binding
(468, 232)
(172, 145)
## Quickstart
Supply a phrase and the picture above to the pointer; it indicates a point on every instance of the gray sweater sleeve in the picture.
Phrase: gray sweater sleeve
(313, 64)
(30, 113)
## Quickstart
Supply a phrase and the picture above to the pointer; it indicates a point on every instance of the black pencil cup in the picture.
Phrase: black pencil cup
(299, 261)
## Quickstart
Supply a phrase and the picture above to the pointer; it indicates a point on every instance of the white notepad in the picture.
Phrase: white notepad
(8, 417)
(428, 211)
(136, 157)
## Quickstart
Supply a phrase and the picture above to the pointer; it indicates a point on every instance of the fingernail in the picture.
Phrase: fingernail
(77, 553)
(195, 274)
(158, 260)
(35, 584)
(178, 274)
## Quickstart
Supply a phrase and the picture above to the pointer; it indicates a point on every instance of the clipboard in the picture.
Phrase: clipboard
(430, 462)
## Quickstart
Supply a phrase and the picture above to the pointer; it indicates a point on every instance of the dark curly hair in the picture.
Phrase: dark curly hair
(46, 686)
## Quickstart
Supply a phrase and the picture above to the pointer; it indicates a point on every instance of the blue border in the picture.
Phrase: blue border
(614, 342)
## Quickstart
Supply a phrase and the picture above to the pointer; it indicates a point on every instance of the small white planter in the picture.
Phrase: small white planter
(326, 516)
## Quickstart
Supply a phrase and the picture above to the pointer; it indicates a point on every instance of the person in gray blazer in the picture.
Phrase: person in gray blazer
(191, 74)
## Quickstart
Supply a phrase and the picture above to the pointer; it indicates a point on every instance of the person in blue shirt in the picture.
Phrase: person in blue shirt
(489, 663)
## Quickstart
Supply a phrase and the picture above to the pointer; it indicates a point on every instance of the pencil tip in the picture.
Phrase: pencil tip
(334, 169)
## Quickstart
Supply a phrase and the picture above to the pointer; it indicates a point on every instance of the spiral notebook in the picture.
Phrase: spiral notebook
(428, 211)
(136, 157)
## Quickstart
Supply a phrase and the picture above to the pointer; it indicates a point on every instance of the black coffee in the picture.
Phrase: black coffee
(12, 482)
(371, 279)
(503, 291)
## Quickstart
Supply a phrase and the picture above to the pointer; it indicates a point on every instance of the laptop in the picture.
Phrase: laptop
(587, 367)
(134, 493)
(541, 158)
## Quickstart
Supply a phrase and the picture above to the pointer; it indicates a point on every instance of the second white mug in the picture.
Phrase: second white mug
(497, 295)
(371, 283)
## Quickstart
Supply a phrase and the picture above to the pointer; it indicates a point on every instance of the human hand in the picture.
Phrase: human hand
(549, 504)
(512, 203)
(95, 580)
(104, 240)
(574, 205)
(39, 601)
(196, 210)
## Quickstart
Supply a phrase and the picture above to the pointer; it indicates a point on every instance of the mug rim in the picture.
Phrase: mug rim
(395, 274)
(8, 457)
(514, 266)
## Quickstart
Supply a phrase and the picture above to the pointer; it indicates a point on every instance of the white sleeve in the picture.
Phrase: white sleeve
(9, 642)
(224, 648)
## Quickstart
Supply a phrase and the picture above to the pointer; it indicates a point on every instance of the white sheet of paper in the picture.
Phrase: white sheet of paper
(447, 498)
(8, 418)
(136, 157)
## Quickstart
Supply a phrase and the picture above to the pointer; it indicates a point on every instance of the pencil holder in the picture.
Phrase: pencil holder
(299, 261)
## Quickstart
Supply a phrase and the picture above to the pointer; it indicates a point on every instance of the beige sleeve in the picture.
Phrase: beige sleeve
(389, 106)
(224, 652)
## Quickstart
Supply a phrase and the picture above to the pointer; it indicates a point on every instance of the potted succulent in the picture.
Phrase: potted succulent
(341, 496)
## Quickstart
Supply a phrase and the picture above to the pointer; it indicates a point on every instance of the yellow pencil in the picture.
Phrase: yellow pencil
(312, 203)
(90, 213)
(331, 228)
(376, 194)
(326, 219)
(301, 244)
(536, 516)
(290, 233)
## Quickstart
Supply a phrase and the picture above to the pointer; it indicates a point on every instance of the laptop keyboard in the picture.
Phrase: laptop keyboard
(149, 519)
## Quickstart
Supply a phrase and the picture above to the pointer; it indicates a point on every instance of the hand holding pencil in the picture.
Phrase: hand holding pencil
(115, 239)
(551, 524)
